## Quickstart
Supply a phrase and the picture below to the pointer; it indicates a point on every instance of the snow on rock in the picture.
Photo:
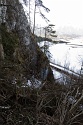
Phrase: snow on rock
(34, 83)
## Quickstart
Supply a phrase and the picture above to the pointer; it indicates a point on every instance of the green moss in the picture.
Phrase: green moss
(9, 41)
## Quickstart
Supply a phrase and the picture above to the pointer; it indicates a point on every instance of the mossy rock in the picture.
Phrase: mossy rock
(9, 41)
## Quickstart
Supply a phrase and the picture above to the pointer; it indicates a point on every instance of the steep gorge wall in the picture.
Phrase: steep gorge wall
(21, 62)
(24, 50)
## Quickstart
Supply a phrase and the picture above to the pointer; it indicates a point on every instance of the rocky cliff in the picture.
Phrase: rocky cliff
(19, 50)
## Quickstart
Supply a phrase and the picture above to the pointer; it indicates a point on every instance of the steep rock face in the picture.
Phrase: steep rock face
(1, 52)
(17, 21)
(25, 52)
(2, 10)
(21, 62)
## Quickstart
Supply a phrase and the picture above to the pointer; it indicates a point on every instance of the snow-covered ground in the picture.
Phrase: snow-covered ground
(68, 54)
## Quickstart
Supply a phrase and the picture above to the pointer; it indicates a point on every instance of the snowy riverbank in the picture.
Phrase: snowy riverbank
(68, 54)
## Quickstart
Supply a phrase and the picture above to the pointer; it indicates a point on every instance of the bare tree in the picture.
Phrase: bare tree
(39, 4)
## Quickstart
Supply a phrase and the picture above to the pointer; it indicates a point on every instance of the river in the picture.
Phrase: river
(67, 53)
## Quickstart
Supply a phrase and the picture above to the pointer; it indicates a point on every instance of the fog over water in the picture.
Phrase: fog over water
(68, 54)
(67, 15)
